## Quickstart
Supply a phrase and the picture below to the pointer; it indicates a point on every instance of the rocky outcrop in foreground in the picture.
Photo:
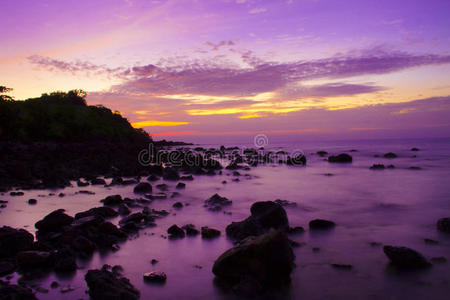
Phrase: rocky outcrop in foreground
(256, 263)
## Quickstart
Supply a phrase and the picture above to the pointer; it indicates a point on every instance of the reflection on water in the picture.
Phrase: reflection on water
(370, 207)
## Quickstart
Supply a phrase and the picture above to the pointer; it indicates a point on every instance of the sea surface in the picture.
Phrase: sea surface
(397, 207)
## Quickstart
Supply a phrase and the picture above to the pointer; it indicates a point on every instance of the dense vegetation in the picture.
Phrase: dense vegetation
(62, 117)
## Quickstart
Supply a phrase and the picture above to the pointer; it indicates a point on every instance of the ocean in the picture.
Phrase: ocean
(371, 208)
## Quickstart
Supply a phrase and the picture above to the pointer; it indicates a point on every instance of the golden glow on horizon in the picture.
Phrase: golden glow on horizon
(150, 123)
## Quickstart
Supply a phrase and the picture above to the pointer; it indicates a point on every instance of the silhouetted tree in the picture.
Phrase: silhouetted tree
(3, 90)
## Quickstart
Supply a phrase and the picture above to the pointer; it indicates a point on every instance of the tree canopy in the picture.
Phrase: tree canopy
(63, 116)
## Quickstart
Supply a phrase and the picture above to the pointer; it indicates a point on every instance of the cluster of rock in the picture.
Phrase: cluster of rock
(176, 232)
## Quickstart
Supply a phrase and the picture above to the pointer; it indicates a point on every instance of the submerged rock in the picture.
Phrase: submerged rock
(377, 167)
(319, 224)
(267, 260)
(264, 216)
(341, 158)
(190, 230)
(54, 221)
(216, 202)
(210, 233)
(443, 225)
(405, 258)
(104, 284)
(390, 155)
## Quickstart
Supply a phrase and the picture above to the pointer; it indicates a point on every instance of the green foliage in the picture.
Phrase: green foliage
(61, 116)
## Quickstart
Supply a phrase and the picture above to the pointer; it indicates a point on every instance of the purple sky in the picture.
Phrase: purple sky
(198, 69)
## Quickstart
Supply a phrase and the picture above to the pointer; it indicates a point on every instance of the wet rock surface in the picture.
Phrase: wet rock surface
(217, 202)
(266, 261)
(104, 284)
(264, 216)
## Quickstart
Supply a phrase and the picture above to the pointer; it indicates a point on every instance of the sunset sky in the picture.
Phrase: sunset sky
(197, 69)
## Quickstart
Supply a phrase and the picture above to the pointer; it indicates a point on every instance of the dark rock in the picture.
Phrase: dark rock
(109, 228)
(439, 259)
(64, 260)
(155, 276)
(298, 160)
(187, 178)
(170, 174)
(319, 224)
(98, 181)
(404, 257)
(54, 221)
(415, 168)
(83, 244)
(190, 230)
(209, 233)
(112, 200)
(342, 266)
(54, 285)
(322, 153)
(316, 249)
(175, 194)
(175, 232)
(264, 216)
(142, 188)
(88, 221)
(117, 181)
(61, 195)
(6, 267)
(16, 193)
(152, 178)
(341, 158)
(154, 261)
(32, 201)
(296, 230)
(430, 242)
(86, 192)
(32, 258)
(133, 218)
(124, 209)
(285, 203)
(377, 167)
(415, 149)
(391, 167)
(181, 185)
(390, 155)
(15, 292)
(104, 284)
(267, 259)
(82, 183)
(162, 187)
(216, 202)
(177, 205)
(443, 225)
(103, 211)
(14, 240)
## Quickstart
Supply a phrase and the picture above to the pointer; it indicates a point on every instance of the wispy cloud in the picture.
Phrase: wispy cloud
(257, 10)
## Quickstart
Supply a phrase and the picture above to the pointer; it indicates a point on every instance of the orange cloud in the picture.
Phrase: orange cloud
(157, 123)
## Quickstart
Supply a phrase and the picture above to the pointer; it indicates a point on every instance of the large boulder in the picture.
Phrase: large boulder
(112, 200)
(264, 216)
(267, 260)
(405, 258)
(341, 158)
(443, 225)
(320, 224)
(14, 240)
(104, 284)
(54, 221)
